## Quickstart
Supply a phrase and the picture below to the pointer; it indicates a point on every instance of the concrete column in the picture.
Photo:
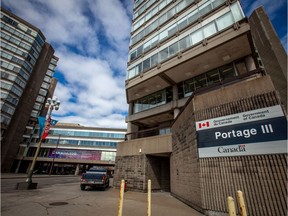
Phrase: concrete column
(250, 64)
(175, 93)
(77, 169)
(176, 112)
(175, 99)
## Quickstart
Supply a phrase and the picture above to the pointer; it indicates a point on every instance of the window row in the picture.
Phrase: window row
(9, 98)
(150, 14)
(17, 33)
(186, 88)
(142, 9)
(82, 142)
(87, 134)
(14, 68)
(14, 78)
(158, 22)
(16, 90)
(7, 109)
(190, 40)
(14, 49)
(17, 60)
(154, 100)
(177, 25)
(5, 120)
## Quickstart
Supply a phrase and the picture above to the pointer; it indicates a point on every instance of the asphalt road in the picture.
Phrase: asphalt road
(62, 196)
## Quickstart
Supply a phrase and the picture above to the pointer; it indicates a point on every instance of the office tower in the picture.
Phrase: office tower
(205, 118)
(27, 67)
(270, 49)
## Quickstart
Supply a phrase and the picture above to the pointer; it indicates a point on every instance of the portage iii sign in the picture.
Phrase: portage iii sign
(261, 131)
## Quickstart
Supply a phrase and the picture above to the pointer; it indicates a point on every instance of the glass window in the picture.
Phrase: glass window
(133, 55)
(237, 12)
(172, 29)
(216, 3)
(241, 67)
(224, 21)
(184, 43)
(189, 87)
(205, 8)
(182, 23)
(209, 29)
(163, 35)
(164, 54)
(146, 64)
(154, 59)
(193, 16)
(197, 36)
(146, 46)
(154, 41)
(227, 71)
(173, 49)
(200, 81)
(213, 77)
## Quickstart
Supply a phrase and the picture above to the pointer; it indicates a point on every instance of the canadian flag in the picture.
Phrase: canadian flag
(204, 124)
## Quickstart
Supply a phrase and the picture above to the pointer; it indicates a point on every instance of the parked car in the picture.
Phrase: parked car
(95, 178)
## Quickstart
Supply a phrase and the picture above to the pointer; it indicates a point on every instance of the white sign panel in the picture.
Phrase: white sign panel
(261, 131)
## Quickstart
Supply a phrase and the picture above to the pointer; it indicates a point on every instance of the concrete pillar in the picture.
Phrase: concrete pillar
(175, 99)
(176, 112)
(175, 93)
(77, 169)
(250, 64)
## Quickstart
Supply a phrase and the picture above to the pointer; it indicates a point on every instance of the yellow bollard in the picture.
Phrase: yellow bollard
(231, 206)
(121, 196)
(241, 203)
(149, 198)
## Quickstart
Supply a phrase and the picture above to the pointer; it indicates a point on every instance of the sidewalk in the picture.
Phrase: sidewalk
(23, 175)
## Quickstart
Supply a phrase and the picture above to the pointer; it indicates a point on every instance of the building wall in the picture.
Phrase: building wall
(16, 128)
(205, 183)
(270, 50)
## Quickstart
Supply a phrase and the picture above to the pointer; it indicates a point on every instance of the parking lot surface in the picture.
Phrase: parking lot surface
(66, 199)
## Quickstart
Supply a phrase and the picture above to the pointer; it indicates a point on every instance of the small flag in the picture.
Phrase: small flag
(53, 122)
(47, 128)
(205, 124)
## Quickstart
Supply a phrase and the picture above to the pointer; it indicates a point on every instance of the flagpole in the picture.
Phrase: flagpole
(51, 103)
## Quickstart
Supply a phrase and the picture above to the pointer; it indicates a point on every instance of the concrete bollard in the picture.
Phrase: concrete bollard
(241, 203)
(231, 206)
(149, 198)
(121, 197)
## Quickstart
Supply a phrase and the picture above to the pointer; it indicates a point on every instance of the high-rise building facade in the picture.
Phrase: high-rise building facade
(192, 70)
(270, 49)
(27, 68)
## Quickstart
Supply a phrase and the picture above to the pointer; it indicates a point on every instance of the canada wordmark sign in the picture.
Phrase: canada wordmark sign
(261, 131)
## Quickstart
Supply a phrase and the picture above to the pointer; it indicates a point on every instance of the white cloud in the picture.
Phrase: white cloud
(92, 50)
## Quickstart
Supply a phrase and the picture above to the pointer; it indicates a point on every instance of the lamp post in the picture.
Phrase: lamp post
(52, 104)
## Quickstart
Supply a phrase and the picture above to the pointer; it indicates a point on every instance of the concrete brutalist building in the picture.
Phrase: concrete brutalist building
(27, 69)
(207, 115)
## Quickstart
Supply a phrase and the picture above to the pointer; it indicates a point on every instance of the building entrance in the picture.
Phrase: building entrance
(158, 170)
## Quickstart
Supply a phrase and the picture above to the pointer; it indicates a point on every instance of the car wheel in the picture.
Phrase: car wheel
(82, 187)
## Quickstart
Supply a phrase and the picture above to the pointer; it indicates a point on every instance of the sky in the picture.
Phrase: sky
(91, 40)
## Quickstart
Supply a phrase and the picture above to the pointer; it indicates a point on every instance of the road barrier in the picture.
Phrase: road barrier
(241, 203)
(121, 197)
(149, 198)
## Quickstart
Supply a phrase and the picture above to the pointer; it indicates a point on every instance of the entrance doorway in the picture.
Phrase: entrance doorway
(158, 170)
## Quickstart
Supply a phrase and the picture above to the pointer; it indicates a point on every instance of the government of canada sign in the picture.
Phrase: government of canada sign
(261, 131)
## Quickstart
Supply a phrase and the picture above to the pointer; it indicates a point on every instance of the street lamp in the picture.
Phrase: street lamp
(52, 103)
